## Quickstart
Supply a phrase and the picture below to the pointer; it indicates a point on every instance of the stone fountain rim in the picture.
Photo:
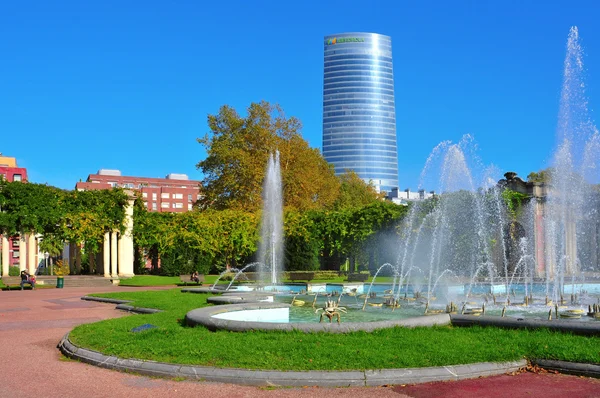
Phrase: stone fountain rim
(205, 317)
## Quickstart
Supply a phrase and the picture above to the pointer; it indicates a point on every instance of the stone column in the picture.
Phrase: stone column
(78, 258)
(120, 253)
(571, 266)
(114, 261)
(126, 241)
(106, 255)
(72, 250)
(5, 255)
(23, 252)
(31, 250)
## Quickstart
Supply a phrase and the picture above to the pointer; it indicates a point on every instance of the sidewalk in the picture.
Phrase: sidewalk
(33, 322)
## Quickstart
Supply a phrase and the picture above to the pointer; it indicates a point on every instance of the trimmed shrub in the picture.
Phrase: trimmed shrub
(301, 275)
(14, 271)
(326, 275)
(358, 277)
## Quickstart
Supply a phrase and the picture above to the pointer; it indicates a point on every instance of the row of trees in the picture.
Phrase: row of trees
(209, 240)
(213, 240)
(328, 219)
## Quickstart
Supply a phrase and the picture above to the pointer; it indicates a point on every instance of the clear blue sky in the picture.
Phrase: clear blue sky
(86, 85)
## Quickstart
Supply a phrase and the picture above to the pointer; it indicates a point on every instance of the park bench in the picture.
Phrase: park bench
(186, 278)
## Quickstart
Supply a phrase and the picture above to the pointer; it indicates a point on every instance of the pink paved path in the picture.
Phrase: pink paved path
(32, 323)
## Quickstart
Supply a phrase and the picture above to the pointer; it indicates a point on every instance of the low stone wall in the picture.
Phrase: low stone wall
(204, 317)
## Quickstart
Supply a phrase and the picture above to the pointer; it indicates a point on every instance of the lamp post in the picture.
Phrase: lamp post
(46, 255)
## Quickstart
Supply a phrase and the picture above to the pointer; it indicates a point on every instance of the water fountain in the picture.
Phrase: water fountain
(469, 249)
(550, 246)
(271, 242)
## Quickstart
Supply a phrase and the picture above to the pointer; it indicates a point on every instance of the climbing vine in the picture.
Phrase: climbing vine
(514, 201)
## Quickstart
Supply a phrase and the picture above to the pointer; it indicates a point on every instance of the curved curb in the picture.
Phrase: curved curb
(573, 368)
(204, 316)
(582, 328)
(122, 305)
(292, 378)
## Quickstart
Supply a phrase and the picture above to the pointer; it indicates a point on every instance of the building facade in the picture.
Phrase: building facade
(174, 193)
(359, 117)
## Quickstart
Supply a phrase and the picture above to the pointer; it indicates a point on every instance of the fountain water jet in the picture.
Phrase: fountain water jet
(271, 243)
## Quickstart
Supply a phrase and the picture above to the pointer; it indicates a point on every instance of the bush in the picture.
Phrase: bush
(61, 268)
(301, 275)
(182, 260)
(358, 277)
(326, 275)
(14, 271)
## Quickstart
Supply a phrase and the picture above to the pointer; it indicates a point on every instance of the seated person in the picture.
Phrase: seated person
(26, 278)
(195, 277)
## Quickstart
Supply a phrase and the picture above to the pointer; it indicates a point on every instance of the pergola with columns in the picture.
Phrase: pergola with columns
(115, 259)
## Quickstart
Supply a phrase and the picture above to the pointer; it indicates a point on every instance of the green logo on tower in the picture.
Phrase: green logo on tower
(335, 40)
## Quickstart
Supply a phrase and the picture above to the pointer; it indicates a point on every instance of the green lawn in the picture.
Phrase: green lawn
(171, 341)
(150, 280)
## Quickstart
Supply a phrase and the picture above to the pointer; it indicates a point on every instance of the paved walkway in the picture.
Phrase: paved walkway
(32, 323)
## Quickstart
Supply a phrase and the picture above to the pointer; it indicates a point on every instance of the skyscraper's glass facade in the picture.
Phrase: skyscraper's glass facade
(359, 118)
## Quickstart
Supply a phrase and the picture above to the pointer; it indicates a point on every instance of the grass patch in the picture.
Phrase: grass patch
(171, 341)
(150, 280)
(157, 280)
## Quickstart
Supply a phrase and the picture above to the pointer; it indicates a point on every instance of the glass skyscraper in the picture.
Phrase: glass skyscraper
(359, 117)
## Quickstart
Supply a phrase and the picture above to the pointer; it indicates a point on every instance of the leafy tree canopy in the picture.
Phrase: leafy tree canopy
(238, 149)
(544, 175)
(355, 192)
(60, 215)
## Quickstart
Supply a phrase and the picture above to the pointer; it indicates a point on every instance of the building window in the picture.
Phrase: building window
(165, 205)
(144, 194)
(17, 177)
(177, 196)
(146, 205)
(154, 196)
(16, 254)
(178, 205)
(164, 195)
(113, 184)
(128, 185)
(189, 197)
(199, 196)
(190, 206)
(154, 206)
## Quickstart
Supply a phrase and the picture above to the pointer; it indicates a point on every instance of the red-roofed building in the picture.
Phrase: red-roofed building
(174, 193)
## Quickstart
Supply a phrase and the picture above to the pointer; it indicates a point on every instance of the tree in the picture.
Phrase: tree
(544, 175)
(237, 152)
(355, 192)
